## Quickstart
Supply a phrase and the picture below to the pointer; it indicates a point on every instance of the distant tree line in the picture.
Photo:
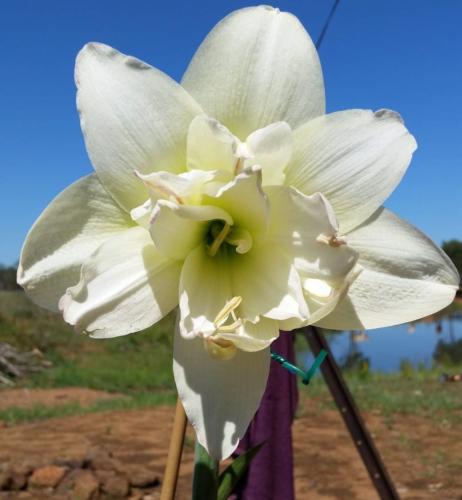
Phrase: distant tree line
(454, 250)
(448, 353)
(8, 278)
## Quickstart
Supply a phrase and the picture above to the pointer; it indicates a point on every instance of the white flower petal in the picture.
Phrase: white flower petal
(245, 201)
(355, 158)
(142, 214)
(268, 284)
(220, 397)
(186, 187)
(323, 296)
(405, 276)
(302, 227)
(75, 223)
(271, 149)
(178, 229)
(211, 146)
(253, 336)
(133, 116)
(205, 288)
(125, 286)
(256, 67)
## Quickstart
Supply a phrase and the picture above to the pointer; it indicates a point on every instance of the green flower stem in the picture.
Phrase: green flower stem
(205, 482)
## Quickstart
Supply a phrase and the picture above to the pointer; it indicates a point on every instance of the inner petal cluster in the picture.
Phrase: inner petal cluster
(257, 256)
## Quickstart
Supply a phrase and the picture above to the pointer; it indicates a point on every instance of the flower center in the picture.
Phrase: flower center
(219, 232)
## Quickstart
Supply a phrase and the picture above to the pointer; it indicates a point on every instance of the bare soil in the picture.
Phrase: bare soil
(424, 456)
(26, 398)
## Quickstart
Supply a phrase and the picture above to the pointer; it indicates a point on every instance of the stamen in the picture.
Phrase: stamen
(222, 348)
(219, 239)
(230, 328)
(333, 241)
(160, 188)
(238, 165)
(336, 241)
(228, 309)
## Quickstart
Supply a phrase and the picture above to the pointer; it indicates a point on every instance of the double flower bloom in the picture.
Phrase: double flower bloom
(236, 198)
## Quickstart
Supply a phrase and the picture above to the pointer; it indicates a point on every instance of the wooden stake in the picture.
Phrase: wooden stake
(351, 416)
(172, 467)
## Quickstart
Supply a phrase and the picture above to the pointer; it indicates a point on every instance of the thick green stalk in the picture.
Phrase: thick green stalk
(205, 482)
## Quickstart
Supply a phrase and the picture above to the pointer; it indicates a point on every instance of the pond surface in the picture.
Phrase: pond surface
(385, 349)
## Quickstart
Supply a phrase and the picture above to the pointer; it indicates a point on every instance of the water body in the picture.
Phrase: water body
(386, 348)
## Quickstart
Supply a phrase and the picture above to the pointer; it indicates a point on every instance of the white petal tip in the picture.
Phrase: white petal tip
(388, 113)
(270, 8)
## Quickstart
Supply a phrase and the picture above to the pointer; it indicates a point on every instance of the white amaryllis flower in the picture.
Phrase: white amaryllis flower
(236, 197)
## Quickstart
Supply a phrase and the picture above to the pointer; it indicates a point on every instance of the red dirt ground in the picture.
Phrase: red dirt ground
(24, 398)
(424, 457)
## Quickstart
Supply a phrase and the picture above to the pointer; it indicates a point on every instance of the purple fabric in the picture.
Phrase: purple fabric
(270, 475)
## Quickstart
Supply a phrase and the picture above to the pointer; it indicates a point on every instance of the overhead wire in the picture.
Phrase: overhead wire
(326, 24)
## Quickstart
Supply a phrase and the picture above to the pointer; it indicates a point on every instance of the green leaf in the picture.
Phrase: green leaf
(234, 472)
(205, 482)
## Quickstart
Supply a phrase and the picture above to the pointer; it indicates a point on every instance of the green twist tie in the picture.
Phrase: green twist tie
(306, 376)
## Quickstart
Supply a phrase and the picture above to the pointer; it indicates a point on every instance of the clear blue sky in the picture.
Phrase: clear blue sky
(403, 55)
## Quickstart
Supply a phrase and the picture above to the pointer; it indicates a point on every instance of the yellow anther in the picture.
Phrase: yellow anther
(219, 239)
(333, 240)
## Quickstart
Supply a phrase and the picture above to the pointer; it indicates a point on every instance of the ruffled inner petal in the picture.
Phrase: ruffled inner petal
(211, 146)
(271, 149)
(405, 276)
(125, 286)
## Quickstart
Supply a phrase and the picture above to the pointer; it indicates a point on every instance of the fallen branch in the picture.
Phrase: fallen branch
(15, 364)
